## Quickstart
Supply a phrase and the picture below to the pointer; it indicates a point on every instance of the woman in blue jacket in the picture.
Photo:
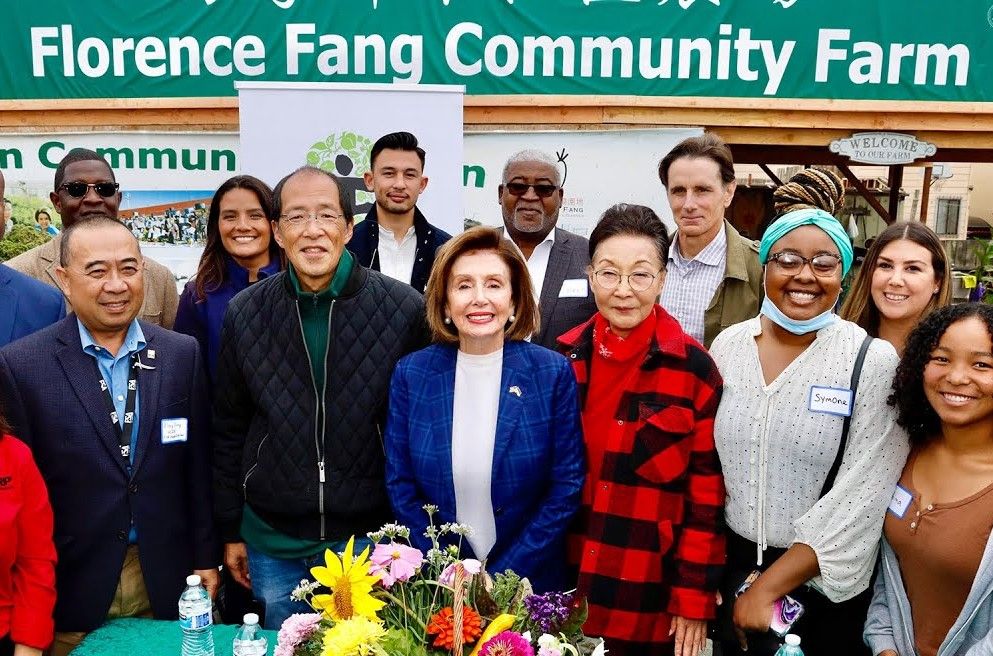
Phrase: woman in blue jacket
(240, 250)
(483, 424)
(934, 592)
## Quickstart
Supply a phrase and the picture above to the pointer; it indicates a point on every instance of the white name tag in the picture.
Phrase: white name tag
(831, 400)
(900, 501)
(574, 288)
(174, 430)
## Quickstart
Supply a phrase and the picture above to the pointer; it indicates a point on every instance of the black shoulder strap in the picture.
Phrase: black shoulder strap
(854, 386)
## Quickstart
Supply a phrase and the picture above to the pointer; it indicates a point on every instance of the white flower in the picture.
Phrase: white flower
(304, 590)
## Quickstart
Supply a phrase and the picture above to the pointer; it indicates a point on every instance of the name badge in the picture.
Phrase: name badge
(174, 430)
(900, 501)
(831, 400)
(574, 288)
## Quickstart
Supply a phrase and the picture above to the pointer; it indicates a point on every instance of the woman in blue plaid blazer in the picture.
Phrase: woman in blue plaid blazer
(483, 424)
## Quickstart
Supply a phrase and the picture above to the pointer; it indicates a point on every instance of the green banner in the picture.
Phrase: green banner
(843, 49)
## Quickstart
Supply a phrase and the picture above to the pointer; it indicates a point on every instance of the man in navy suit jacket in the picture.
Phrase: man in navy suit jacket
(115, 413)
(26, 305)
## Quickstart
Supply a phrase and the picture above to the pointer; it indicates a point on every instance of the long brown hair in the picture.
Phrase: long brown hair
(213, 270)
(859, 306)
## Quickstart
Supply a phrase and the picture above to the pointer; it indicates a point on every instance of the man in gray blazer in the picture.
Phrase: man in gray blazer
(530, 197)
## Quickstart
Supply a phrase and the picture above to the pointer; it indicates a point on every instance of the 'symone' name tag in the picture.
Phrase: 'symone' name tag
(830, 400)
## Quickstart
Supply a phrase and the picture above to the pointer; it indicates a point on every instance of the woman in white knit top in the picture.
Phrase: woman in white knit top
(787, 379)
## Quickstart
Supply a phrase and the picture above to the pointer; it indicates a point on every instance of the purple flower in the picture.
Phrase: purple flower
(296, 630)
(548, 611)
(395, 562)
(507, 643)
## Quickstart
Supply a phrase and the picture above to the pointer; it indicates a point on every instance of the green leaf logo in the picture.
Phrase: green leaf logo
(344, 154)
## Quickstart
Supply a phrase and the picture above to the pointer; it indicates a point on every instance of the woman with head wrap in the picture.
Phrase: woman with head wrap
(809, 462)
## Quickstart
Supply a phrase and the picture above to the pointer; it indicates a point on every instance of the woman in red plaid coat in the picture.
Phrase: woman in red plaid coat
(649, 544)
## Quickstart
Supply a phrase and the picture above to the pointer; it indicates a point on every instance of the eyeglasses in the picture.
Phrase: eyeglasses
(299, 218)
(79, 189)
(521, 188)
(639, 281)
(823, 265)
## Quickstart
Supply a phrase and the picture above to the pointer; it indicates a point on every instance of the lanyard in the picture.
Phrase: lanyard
(123, 433)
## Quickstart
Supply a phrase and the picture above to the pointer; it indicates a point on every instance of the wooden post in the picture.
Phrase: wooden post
(926, 192)
(772, 176)
(865, 193)
(895, 182)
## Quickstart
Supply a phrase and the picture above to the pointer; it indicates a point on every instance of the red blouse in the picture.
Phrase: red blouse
(650, 542)
(27, 553)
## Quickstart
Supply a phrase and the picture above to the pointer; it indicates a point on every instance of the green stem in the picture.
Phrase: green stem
(407, 610)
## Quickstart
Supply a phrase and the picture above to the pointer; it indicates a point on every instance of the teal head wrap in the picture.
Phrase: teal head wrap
(809, 216)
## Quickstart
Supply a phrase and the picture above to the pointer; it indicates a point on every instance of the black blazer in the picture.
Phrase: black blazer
(50, 393)
(364, 245)
(568, 261)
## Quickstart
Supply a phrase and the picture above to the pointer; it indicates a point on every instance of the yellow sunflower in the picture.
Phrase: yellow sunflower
(350, 584)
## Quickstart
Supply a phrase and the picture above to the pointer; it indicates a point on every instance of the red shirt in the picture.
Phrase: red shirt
(27, 554)
(651, 544)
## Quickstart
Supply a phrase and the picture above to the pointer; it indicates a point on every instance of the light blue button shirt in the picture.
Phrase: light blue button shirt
(115, 370)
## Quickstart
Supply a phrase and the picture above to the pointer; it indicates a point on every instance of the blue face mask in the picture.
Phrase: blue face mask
(794, 326)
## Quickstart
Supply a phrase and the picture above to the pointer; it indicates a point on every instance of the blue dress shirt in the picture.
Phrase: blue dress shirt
(115, 370)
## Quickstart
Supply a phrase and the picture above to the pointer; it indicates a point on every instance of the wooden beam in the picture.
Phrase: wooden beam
(865, 193)
(772, 176)
(895, 182)
(926, 192)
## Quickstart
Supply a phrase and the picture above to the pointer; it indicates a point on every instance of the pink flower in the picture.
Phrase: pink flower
(395, 562)
(296, 630)
(507, 643)
(471, 566)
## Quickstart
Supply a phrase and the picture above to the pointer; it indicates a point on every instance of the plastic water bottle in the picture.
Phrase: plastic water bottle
(792, 646)
(196, 619)
(250, 641)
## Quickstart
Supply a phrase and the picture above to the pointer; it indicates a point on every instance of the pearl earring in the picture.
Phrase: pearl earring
(511, 319)
(448, 320)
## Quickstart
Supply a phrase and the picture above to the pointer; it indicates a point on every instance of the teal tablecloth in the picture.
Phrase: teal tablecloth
(152, 638)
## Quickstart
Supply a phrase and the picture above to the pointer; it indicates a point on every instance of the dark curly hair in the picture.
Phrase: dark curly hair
(914, 412)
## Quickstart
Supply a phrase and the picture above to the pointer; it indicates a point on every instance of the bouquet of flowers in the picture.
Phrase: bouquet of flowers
(399, 601)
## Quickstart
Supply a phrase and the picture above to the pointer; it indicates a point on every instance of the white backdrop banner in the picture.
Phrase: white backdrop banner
(333, 126)
(160, 161)
(599, 169)
(165, 170)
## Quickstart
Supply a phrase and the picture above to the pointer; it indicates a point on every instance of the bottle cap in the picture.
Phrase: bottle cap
(251, 618)
(792, 640)
(193, 579)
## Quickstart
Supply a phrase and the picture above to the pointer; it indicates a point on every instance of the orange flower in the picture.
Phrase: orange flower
(441, 626)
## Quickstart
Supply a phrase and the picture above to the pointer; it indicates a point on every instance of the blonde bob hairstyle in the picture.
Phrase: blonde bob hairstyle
(861, 309)
(474, 240)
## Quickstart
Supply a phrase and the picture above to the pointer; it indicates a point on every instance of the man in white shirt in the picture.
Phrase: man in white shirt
(395, 238)
(713, 276)
(530, 197)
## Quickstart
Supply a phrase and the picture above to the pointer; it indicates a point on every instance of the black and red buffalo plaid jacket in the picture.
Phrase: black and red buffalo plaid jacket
(652, 544)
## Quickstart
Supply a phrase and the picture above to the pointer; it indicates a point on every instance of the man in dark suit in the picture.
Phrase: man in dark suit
(26, 305)
(530, 197)
(115, 412)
